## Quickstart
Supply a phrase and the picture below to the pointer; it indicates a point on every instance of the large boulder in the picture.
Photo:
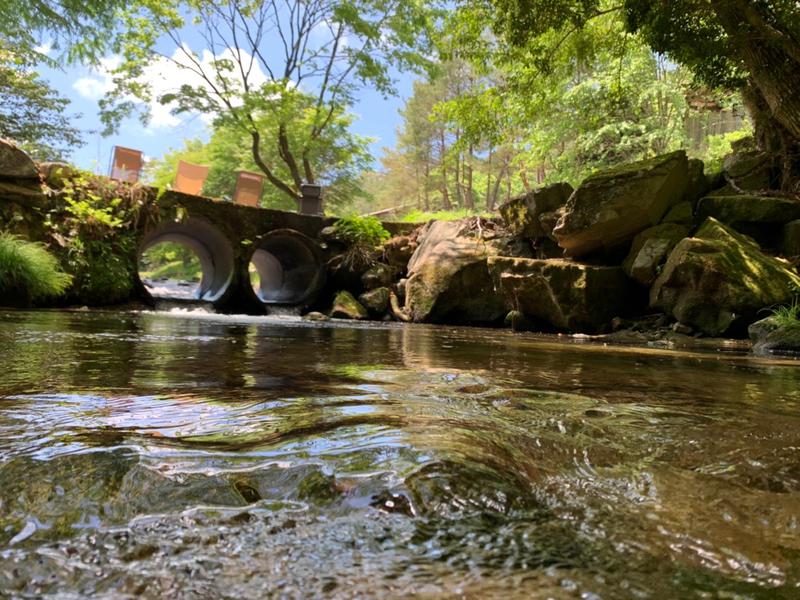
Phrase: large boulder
(761, 217)
(750, 170)
(522, 214)
(15, 163)
(447, 276)
(611, 207)
(720, 278)
(650, 248)
(565, 294)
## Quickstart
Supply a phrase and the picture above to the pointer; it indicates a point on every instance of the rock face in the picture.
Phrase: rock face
(448, 279)
(16, 164)
(791, 239)
(751, 170)
(771, 336)
(613, 206)
(345, 306)
(522, 214)
(650, 248)
(719, 278)
(744, 210)
(680, 213)
(565, 294)
(378, 275)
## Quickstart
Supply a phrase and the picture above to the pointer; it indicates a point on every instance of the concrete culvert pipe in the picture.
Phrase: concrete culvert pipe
(211, 247)
(289, 267)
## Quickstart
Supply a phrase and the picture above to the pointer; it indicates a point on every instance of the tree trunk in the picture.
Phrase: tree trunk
(773, 71)
(445, 194)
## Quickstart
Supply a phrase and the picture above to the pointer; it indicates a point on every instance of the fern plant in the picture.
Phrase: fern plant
(28, 272)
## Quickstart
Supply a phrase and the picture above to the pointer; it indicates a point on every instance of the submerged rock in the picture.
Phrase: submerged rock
(345, 306)
(611, 207)
(775, 336)
(650, 248)
(565, 294)
(522, 214)
(15, 163)
(448, 278)
(719, 278)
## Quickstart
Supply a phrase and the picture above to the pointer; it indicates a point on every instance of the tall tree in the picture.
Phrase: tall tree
(263, 58)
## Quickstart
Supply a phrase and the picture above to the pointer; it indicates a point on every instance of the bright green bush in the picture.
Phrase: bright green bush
(28, 272)
(361, 231)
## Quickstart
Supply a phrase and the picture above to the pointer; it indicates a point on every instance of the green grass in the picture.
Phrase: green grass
(787, 315)
(28, 272)
(418, 216)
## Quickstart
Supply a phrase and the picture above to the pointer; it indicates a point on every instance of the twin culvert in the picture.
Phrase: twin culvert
(289, 265)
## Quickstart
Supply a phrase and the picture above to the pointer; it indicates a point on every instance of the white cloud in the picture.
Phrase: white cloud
(44, 48)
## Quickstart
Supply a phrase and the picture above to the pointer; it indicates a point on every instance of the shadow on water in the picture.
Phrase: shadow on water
(152, 454)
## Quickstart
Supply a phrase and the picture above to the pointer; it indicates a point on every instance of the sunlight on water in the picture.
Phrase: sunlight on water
(200, 455)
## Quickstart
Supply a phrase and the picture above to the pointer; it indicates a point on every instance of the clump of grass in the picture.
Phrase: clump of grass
(788, 315)
(363, 235)
(28, 272)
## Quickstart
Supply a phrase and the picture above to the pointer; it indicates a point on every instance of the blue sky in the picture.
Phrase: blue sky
(378, 118)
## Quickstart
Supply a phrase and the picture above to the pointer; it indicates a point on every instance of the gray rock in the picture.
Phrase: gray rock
(375, 301)
(448, 279)
(750, 171)
(718, 278)
(650, 248)
(378, 275)
(345, 306)
(680, 213)
(522, 214)
(565, 294)
(15, 163)
(611, 207)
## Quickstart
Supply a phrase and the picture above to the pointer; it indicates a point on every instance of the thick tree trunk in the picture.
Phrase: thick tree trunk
(773, 71)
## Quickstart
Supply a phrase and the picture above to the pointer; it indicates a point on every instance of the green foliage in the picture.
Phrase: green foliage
(32, 113)
(366, 232)
(28, 272)
(720, 146)
(95, 235)
(170, 260)
(82, 28)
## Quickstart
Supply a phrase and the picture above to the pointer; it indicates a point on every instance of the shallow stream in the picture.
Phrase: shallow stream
(191, 456)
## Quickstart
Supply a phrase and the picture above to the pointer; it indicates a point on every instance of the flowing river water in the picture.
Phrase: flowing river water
(187, 456)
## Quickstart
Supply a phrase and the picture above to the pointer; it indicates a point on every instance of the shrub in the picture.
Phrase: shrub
(362, 231)
(28, 272)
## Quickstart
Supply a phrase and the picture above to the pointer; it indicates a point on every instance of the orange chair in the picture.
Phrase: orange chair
(248, 188)
(190, 178)
(127, 164)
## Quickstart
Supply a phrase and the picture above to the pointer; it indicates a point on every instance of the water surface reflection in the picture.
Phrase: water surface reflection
(150, 454)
